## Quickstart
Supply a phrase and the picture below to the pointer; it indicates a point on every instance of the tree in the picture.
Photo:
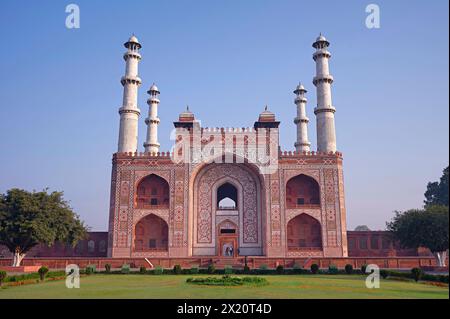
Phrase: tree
(437, 192)
(362, 228)
(31, 218)
(423, 228)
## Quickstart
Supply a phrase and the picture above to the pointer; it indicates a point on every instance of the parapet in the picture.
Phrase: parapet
(142, 154)
(311, 153)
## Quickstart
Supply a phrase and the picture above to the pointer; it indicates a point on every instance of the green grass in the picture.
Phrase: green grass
(175, 286)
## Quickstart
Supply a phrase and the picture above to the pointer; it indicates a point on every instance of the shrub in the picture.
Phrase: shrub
(158, 270)
(298, 269)
(108, 268)
(443, 278)
(280, 269)
(194, 270)
(211, 269)
(90, 269)
(142, 270)
(262, 269)
(384, 273)
(363, 269)
(417, 273)
(228, 270)
(314, 268)
(2, 276)
(348, 269)
(42, 272)
(246, 269)
(125, 269)
(333, 270)
(177, 270)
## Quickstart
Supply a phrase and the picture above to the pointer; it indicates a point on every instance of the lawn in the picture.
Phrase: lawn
(175, 286)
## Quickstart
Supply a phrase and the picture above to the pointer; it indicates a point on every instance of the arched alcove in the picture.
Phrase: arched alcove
(152, 192)
(304, 232)
(302, 190)
(151, 233)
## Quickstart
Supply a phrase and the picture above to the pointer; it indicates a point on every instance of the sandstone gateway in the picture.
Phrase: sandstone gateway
(244, 197)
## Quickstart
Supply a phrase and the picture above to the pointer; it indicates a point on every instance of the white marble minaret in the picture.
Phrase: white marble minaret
(151, 143)
(129, 112)
(302, 144)
(326, 133)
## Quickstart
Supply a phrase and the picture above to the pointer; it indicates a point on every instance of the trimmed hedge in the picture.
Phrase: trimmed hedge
(2, 276)
(177, 270)
(280, 270)
(194, 270)
(385, 273)
(228, 270)
(158, 270)
(333, 270)
(314, 268)
(211, 269)
(35, 276)
(125, 269)
(363, 268)
(42, 272)
(349, 269)
(90, 269)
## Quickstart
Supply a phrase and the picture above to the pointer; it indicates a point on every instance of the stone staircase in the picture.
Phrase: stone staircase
(221, 263)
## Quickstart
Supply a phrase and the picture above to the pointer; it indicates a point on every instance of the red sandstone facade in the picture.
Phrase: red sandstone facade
(163, 207)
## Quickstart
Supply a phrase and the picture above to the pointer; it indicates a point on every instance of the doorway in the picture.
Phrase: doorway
(227, 240)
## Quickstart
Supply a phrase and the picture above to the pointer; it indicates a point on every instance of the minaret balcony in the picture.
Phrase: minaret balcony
(128, 109)
(301, 120)
(324, 78)
(130, 80)
(328, 108)
(323, 53)
(132, 54)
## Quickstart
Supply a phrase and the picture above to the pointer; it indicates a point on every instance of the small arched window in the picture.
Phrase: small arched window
(227, 197)
(91, 246)
(102, 246)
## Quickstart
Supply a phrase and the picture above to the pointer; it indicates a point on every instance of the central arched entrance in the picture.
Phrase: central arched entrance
(226, 192)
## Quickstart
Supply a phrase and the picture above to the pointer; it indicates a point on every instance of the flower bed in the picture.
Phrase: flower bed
(228, 281)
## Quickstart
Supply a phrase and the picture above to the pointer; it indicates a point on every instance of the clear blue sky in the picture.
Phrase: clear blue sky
(60, 89)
